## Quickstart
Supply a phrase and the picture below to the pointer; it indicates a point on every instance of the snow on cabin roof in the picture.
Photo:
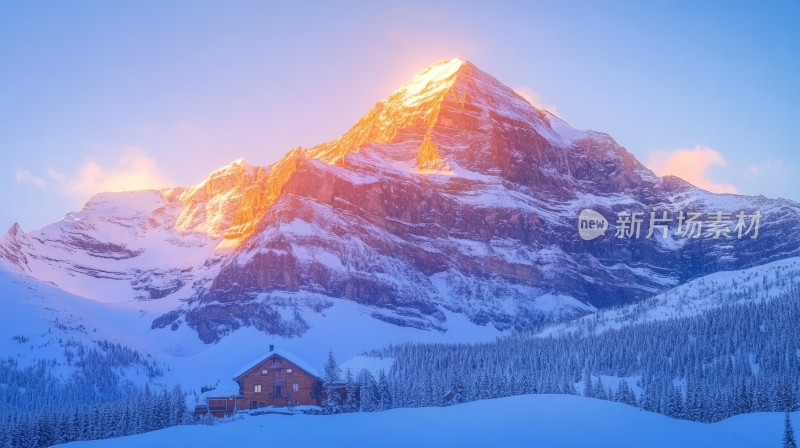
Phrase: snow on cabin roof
(224, 390)
(292, 358)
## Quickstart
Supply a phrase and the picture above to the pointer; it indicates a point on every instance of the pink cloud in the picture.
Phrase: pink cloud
(692, 165)
(133, 171)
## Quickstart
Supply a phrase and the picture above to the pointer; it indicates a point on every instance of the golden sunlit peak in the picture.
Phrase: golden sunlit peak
(456, 61)
(430, 80)
(240, 162)
(440, 70)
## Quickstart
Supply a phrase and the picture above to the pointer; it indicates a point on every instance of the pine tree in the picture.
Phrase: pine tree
(568, 388)
(45, 430)
(63, 428)
(179, 412)
(674, 403)
(788, 433)
(368, 392)
(588, 387)
(332, 370)
(333, 399)
(384, 392)
(624, 394)
(351, 403)
(125, 423)
(480, 385)
(86, 425)
(457, 389)
(524, 385)
(600, 390)
(786, 398)
(495, 386)
(74, 431)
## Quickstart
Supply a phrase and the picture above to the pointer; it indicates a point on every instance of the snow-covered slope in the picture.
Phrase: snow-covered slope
(725, 288)
(42, 322)
(528, 420)
(120, 247)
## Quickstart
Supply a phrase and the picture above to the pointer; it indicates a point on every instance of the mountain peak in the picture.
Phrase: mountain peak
(439, 106)
(432, 79)
(410, 112)
(240, 162)
(14, 229)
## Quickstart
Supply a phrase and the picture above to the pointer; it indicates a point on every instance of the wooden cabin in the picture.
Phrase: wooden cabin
(278, 379)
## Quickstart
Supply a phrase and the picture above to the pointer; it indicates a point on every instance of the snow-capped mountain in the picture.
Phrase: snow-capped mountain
(452, 195)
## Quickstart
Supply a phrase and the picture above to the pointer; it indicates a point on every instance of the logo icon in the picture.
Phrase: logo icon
(591, 224)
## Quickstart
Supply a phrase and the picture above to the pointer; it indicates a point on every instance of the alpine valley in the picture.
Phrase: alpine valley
(448, 213)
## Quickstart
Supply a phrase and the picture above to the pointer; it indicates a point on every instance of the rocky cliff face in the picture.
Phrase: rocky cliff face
(451, 194)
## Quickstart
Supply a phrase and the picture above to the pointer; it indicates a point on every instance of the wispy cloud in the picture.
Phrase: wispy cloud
(768, 167)
(692, 165)
(534, 98)
(26, 177)
(134, 170)
(55, 175)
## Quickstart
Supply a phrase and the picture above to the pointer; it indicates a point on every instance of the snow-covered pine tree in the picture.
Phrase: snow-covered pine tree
(788, 433)
(483, 386)
(624, 394)
(786, 397)
(177, 406)
(674, 406)
(457, 388)
(568, 388)
(524, 385)
(74, 431)
(351, 403)
(588, 386)
(63, 428)
(368, 392)
(333, 400)
(600, 390)
(384, 392)
(332, 371)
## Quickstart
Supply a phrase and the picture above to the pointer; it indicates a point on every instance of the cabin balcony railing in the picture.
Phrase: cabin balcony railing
(279, 396)
(204, 408)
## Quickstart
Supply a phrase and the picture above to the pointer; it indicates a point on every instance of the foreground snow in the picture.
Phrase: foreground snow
(530, 420)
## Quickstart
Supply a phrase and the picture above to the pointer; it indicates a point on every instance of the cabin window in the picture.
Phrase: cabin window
(265, 372)
(288, 370)
(295, 387)
(257, 388)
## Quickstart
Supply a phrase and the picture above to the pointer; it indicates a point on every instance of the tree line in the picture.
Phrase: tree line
(736, 359)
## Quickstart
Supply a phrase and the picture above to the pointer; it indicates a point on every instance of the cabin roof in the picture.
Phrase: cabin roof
(222, 391)
(292, 358)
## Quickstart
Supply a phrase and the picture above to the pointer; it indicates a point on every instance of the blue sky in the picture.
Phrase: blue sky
(98, 95)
